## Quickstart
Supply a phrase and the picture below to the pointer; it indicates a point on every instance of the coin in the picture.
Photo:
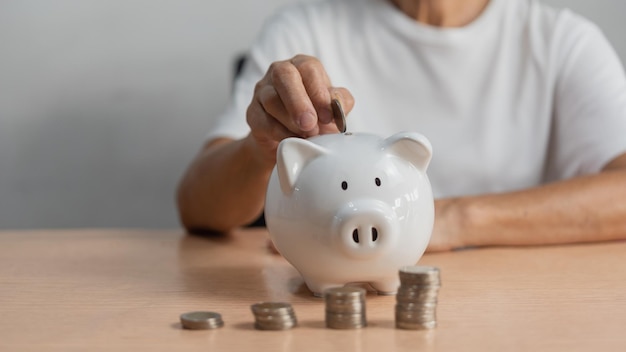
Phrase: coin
(345, 292)
(416, 275)
(345, 307)
(416, 300)
(407, 295)
(338, 115)
(345, 321)
(273, 316)
(271, 308)
(201, 320)
(415, 326)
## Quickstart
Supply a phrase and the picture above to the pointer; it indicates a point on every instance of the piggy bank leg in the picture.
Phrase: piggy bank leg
(387, 286)
(318, 286)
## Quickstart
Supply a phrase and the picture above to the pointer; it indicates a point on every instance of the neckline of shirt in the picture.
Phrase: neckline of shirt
(437, 36)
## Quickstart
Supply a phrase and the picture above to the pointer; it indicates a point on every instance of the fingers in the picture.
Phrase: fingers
(317, 85)
(299, 96)
(265, 127)
(293, 99)
(288, 82)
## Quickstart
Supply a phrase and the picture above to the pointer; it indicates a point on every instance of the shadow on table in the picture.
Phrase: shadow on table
(208, 266)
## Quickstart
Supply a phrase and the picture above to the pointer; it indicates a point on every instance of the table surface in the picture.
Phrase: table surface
(124, 290)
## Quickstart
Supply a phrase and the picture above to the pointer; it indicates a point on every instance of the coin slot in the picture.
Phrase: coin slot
(377, 181)
(344, 185)
(355, 235)
(374, 234)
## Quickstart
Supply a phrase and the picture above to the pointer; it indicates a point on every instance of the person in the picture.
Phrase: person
(524, 104)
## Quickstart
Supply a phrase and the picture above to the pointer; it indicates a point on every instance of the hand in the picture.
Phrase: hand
(293, 99)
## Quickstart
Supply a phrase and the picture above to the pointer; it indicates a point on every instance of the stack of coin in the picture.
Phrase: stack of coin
(273, 316)
(201, 320)
(416, 300)
(345, 307)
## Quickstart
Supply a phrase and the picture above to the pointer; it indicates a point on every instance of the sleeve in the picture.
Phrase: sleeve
(283, 36)
(589, 127)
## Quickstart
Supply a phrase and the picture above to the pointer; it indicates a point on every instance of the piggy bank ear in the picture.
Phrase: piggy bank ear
(410, 146)
(292, 156)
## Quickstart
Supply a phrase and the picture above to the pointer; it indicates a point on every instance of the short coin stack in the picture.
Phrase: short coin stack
(417, 297)
(273, 316)
(345, 307)
(201, 320)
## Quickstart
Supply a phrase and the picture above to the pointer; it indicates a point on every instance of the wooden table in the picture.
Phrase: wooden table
(124, 290)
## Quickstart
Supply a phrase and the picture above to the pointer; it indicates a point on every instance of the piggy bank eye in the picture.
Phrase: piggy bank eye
(377, 180)
(344, 185)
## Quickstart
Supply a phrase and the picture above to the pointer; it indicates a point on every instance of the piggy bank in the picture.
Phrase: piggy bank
(351, 208)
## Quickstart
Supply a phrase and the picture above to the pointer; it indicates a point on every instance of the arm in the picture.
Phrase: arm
(589, 124)
(582, 209)
(225, 185)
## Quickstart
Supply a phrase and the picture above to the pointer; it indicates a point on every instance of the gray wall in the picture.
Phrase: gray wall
(104, 102)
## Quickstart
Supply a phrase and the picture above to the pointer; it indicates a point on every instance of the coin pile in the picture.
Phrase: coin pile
(345, 307)
(416, 300)
(201, 320)
(273, 316)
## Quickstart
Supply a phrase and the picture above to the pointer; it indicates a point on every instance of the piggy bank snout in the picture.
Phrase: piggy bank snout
(365, 229)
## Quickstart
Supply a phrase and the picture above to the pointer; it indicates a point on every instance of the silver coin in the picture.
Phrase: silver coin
(416, 297)
(416, 326)
(201, 320)
(345, 316)
(419, 275)
(271, 319)
(273, 316)
(273, 308)
(345, 320)
(416, 306)
(415, 315)
(356, 301)
(344, 292)
(419, 269)
(338, 115)
(415, 289)
(275, 326)
(352, 309)
(409, 287)
(416, 310)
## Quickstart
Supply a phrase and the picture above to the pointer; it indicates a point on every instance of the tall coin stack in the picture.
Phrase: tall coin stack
(345, 307)
(416, 301)
(273, 316)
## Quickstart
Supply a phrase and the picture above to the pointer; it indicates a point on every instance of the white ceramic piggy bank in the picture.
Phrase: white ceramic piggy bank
(347, 208)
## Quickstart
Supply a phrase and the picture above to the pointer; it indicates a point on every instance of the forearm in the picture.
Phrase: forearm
(585, 209)
(223, 188)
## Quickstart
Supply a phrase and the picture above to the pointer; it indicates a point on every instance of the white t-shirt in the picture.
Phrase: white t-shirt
(523, 95)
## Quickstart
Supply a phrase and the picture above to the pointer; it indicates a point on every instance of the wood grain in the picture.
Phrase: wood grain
(124, 290)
